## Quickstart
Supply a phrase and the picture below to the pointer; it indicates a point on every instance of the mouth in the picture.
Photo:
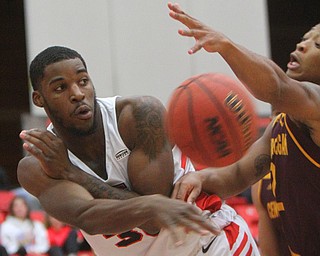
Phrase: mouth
(294, 62)
(83, 112)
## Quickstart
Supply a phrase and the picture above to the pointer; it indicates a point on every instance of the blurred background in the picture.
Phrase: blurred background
(131, 48)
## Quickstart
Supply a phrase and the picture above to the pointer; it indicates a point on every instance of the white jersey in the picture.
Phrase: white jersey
(136, 242)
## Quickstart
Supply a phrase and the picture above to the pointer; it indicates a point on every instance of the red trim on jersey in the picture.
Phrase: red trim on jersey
(232, 232)
(249, 251)
(211, 203)
(242, 245)
(183, 161)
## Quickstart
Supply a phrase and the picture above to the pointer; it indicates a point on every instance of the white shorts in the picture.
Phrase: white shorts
(235, 239)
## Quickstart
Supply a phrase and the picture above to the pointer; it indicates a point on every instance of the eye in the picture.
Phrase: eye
(84, 81)
(60, 87)
(317, 45)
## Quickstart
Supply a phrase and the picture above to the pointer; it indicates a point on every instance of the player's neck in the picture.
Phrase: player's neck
(80, 143)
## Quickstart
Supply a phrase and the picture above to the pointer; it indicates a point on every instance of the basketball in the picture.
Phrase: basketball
(211, 118)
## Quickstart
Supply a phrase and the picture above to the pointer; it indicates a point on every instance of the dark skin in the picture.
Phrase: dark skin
(67, 193)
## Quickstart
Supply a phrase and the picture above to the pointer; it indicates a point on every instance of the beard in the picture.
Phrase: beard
(59, 122)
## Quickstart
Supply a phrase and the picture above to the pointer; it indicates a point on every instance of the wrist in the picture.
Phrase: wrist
(151, 204)
(72, 173)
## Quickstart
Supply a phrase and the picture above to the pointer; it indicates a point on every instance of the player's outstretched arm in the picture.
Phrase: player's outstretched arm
(230, 180)
(51, 153)
(264, 79)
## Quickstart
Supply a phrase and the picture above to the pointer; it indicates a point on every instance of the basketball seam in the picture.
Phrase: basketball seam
(232, 133)
(194, 131)
(205, 155)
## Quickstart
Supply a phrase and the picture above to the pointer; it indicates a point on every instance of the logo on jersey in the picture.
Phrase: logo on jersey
(206, 248)
(236, 105)
(279, 145)
(122, 154)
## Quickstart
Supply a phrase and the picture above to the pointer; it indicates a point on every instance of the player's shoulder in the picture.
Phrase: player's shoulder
(138, 107)
(138, 102)
(141, 114)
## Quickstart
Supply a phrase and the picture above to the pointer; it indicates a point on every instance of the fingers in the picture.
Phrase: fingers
(38, 142)
(178, 235)
(175, 8)
(194, 193)
(180, 191)
(186, 192)
(196, 223)
(179, 15)
(196, 28)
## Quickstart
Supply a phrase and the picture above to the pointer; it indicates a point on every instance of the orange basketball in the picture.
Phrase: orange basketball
(211, 118)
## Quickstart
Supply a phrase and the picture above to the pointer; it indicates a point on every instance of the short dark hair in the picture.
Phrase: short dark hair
(48, 56)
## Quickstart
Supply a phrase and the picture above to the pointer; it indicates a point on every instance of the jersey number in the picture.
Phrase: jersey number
(127, 238)
(279, 205)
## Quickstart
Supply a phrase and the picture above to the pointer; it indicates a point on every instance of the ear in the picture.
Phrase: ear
(37, 99)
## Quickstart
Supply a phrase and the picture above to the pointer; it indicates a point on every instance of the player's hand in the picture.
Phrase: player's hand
(188, 187)
(178, 216)
(49, 150)
(205, 37)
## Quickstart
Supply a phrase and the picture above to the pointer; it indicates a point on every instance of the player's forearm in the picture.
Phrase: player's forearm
(259, 74)
(120, 216)
(99, 189)
(96, 187)
(215, 181)
(235, 178)
(99, 216)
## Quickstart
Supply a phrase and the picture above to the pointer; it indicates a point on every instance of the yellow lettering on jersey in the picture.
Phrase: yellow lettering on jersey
(274, 208)
(280, 206)
(279, 145)
(273, 181)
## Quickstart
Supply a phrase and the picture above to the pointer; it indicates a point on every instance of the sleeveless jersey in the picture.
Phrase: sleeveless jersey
(295, 168)
(136, 241)
(268, 201)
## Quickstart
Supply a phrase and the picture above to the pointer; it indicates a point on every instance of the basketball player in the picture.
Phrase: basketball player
(97, 151)
(290, 145)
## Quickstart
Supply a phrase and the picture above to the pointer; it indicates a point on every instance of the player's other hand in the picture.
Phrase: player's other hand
(205, 37)
(49, 150)
(174, 214)
(188, 187)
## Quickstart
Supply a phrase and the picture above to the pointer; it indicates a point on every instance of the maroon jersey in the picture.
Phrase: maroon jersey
(269, 202)
(295, 171)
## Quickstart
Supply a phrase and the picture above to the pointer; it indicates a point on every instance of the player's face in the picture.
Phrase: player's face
(68, 97)
(304, 64)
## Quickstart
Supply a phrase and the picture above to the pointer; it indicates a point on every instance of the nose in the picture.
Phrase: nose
(302, 46)
(76, 94)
